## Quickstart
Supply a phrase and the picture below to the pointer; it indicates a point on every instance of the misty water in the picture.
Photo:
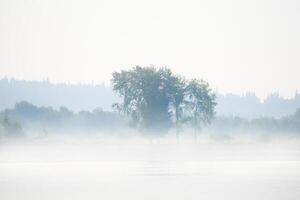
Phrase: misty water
(141, 168)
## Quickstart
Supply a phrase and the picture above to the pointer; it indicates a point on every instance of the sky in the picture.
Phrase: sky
(237, 46)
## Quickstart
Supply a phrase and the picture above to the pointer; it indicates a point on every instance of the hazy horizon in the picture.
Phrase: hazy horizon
(108, 85)
(79, 97)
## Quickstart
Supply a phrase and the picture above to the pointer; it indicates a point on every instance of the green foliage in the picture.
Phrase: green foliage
(156, 98)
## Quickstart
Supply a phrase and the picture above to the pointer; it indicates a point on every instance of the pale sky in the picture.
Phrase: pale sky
(237, 45)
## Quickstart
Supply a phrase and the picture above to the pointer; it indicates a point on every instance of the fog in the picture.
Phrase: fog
(134, 167)
(149, 100)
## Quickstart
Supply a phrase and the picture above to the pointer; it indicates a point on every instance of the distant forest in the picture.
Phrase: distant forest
(26, 118)
(78, 97)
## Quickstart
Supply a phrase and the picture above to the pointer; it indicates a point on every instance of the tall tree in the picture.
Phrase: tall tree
(146, 96)
(200, 103)
(178, 87)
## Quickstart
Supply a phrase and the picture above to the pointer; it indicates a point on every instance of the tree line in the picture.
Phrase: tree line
(26, 118)
(77, 97)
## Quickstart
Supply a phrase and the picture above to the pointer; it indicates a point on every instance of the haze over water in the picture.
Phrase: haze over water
(137, 168)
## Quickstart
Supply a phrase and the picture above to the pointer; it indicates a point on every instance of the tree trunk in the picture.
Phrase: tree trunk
(195, 135)
(177, 126)
(177, 133)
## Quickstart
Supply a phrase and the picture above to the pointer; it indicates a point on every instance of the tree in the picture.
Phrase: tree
(156, 98)
(200, 103)
(178, 87)
(147, 96)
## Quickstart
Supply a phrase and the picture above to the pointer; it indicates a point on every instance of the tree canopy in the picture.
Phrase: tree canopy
(155, 98)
